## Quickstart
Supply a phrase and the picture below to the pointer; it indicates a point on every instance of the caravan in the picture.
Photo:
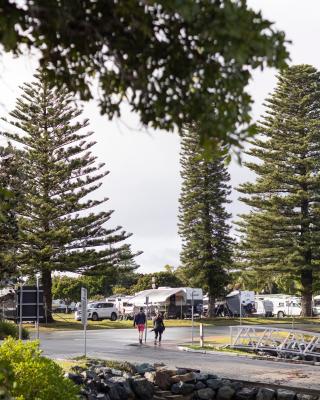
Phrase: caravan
(173, 302)
(283, 305)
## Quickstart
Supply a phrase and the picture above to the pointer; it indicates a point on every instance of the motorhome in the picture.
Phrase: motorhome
(283, 305)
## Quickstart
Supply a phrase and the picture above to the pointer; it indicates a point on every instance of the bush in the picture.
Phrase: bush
(6, 380)
(35, 376)
(10, 329)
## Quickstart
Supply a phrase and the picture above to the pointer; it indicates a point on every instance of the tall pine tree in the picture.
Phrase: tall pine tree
(10, 174)
(281, 234)
(59, 230)
(203, 227)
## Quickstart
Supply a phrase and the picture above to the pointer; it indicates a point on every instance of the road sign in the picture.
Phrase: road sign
(84, 315)
(84, 305)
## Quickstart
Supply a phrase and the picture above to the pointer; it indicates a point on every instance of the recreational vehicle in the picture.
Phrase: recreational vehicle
(283, 305)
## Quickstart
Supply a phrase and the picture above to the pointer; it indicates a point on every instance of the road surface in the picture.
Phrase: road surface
(121, 345)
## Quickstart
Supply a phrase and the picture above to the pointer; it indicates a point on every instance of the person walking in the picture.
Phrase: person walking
(158, 327)
(140, 322)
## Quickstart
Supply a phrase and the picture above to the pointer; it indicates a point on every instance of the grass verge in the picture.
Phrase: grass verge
(67, 322)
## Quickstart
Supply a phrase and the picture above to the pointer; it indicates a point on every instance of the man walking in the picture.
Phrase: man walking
(140, 322)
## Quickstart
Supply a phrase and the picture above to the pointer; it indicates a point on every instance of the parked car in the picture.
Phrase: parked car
(98, 311)
(61, 306)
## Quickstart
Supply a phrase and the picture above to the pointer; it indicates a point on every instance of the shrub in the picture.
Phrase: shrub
(35, 376)
(10, 329)
(6, 380)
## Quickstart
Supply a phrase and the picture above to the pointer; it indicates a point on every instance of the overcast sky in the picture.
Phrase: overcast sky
(144, 182)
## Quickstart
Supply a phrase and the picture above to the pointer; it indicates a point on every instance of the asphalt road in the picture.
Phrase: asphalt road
(121, 345)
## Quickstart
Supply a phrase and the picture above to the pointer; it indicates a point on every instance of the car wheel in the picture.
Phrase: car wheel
(95, 317)
(280, 314)
(113, 317)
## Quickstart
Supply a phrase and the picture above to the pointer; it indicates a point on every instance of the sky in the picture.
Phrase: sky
(144, 181)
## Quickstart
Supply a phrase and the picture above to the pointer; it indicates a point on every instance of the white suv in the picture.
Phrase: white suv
(99, 310)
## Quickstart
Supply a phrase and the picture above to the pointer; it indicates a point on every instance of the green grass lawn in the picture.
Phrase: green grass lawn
(67, 322)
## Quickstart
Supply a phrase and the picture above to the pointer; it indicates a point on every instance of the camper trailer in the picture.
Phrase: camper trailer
(316, 305)
(263, 308)
(240, 303)
(173, 302)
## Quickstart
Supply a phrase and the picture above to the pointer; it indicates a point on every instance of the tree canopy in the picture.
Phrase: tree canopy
(59, 226)
(174, 62)
(203, 219)
(281, 234)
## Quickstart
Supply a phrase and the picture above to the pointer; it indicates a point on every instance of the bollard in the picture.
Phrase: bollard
(201, 335)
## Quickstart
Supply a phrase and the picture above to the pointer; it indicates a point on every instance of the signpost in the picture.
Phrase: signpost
(20, 311)
(84, 315)
(240, 309)
(38, 300)
(146, 327)
(192, 315)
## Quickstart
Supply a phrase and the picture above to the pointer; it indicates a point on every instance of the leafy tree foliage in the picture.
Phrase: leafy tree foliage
(206, 244)
(59, 231)
(282, 232)
(162, 278)
(174, 62)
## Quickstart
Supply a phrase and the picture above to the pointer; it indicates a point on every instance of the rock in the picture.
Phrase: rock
(181, 371)
(89, 374)
(200, 385)
(214, 383)
(205, 394)
(76, 378)
(304, 396)
(117, 379)
(189, 377)
(225, 393)
(117, 392)
(236, 385)
(199, 376)
(143, 368)
(158, 365)
(266, 394)
(102, 396)
(182, 388)
(246, 393)
(143, 388)
(212, 376)
(163, 378)
(284, 394)
(116, 372)
(151, 376)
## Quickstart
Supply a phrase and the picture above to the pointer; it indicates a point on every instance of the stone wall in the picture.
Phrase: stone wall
(156, 382)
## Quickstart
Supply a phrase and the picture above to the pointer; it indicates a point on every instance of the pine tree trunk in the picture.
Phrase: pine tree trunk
(306, 298)
(47, 294)
(211, 307)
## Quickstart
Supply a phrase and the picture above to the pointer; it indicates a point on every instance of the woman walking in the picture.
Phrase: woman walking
(158, 327)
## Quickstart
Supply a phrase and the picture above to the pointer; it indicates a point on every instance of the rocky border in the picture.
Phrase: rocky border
(156, 382)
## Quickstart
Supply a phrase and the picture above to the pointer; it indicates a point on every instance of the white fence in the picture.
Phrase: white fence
(279, 340)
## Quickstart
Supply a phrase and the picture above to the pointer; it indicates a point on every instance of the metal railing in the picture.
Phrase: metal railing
(276, 340)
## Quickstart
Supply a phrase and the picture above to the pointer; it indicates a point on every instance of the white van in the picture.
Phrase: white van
(283, 305)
